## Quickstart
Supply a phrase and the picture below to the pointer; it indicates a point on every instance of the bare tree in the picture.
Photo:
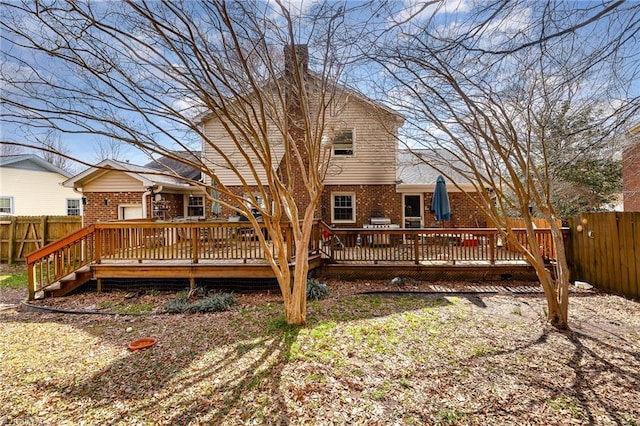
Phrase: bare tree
(485, 87)
(10, 149)
(106, 148)
(53, 149)
(148, 73)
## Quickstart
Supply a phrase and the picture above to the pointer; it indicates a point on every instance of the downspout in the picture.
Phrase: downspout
(150, 190)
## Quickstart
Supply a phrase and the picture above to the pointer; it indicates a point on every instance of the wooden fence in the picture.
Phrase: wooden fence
(605, 251)
(21, 235)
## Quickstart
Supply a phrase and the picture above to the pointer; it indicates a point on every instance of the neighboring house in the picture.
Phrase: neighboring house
(31, 186)
(114, 190)
(631, 172)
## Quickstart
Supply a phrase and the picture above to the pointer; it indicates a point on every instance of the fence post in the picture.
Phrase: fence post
(10, 242)
(43, 231)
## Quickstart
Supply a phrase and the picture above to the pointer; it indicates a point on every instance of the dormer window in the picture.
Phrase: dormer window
(343, 143)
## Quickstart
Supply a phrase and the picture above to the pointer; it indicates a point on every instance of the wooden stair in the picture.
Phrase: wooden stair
(67, 283)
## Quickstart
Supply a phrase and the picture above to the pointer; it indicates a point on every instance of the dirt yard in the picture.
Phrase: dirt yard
(403, 357)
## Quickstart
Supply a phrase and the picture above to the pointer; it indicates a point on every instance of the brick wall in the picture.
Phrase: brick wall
(371, 201)
(631, 178)
(464, 213)
(174, 205)
(103, 206)
(383, 200)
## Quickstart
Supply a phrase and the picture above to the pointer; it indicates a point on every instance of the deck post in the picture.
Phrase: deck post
(98, 245)
(31, 277)
(195, 239)
(416, 248)
(99, 285)
(492, 248)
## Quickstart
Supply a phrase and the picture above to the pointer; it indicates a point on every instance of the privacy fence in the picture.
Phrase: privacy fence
(21, 235)
(604, 250)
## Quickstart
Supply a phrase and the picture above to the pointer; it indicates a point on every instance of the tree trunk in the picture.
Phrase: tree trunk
(296, 308)
(556, 289)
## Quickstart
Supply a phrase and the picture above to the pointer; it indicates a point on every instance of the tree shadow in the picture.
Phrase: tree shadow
(245, 351)
(598, 368)
(214, 367)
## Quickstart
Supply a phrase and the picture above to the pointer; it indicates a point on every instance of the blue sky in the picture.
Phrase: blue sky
(451, 13)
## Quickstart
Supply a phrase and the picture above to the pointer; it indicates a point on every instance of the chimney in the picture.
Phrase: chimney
(302, 56)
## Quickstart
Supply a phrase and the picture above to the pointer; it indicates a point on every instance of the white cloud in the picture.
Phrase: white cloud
(420, 9)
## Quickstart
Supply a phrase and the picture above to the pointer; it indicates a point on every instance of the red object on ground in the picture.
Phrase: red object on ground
(142, 343)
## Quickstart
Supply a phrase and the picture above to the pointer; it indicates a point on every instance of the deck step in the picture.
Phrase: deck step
(54, 286)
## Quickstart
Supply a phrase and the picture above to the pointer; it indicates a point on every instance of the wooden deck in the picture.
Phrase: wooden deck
(205, 250)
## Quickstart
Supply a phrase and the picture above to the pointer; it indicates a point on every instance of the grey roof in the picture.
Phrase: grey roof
(23, 160)
(415, 167)
(173, 166)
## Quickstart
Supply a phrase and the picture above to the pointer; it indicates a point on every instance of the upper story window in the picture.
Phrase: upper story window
(73, 207)
(195, 205)
(343, 207)
(6, 205)
(343, 143)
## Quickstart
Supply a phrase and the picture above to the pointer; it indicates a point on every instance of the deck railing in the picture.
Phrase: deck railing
(430, 245)
(221, 242)
(61, 258)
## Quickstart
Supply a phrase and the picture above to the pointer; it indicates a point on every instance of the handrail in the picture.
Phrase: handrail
(58, 259)
(56, 245)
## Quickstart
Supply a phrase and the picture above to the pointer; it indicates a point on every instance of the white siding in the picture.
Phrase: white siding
(113, 181)
(373, 162)
(374, 157)
(35, 192)
(218, 136)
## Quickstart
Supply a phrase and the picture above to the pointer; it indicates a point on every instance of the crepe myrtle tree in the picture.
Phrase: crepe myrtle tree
(149, 74)
(482, 90)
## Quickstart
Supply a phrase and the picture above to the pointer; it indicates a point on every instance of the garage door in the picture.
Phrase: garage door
(130, 212)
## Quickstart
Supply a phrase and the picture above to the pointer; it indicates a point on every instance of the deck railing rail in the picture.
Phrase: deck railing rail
(219, 241)
(430, 245)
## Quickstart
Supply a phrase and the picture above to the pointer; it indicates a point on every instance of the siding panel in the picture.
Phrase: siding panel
(113, 181)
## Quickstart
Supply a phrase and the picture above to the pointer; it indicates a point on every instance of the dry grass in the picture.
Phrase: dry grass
(361, 359)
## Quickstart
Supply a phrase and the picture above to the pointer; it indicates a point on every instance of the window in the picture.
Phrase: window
(6, 205)
(195, 205)
(258, 200)
(343, 143)
(343, 207)
(73, 207)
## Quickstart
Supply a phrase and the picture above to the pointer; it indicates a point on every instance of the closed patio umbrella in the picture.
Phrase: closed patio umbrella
(440, 202)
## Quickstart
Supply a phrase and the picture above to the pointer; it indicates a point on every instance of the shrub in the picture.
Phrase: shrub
(178, 304)
(219, 302)
(316, 289)
(215, 303)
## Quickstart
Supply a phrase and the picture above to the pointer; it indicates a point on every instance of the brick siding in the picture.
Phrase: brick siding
(631, 178)
(103, 206)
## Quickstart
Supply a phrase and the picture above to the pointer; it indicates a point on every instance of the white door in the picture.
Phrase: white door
(130, 212)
